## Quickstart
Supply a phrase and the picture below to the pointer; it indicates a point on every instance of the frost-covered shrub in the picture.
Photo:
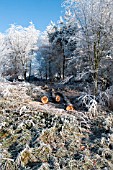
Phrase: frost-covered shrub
(106, 98)
(6, 92)
(88, 102)
(24, 156)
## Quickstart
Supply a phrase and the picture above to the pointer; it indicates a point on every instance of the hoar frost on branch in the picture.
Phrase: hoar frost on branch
(94, 19)
(19, 49)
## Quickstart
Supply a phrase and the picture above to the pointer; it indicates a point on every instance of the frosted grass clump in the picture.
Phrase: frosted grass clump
(24, 156)
(6, 92)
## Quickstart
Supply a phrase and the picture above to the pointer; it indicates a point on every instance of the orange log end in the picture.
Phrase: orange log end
(70, 108)
(82, 147)
(57, 98)
(44, 99)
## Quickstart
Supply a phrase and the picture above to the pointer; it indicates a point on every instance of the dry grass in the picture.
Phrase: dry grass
(38, 136)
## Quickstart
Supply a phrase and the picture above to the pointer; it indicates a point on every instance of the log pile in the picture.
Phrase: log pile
(56, 97)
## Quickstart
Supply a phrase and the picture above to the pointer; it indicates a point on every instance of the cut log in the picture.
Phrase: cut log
(40, 95)
(60, 97)
(46, 96)
(57, 98)
(68, 103)
(70, 108)
(44, 99)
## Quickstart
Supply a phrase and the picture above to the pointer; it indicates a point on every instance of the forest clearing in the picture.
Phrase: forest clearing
(56, 88)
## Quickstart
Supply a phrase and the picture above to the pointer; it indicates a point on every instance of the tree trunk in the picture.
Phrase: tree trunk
(46, 72)
(97, 56)
(29, 71)
(25, 72)
(63, 65)
(96, 67)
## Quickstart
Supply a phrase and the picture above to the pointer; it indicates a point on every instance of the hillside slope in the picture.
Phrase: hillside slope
(37, 136)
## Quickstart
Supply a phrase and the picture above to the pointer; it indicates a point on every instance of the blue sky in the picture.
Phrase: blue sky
(21, 12)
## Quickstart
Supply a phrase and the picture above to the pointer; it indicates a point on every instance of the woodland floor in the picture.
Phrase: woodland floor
(37, 136)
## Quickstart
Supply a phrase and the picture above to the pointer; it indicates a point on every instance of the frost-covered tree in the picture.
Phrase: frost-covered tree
(2, 47)
(43, 56)
(20, 47)
(50, 65)
(95, 20)
(4, 53)
(63, 39)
